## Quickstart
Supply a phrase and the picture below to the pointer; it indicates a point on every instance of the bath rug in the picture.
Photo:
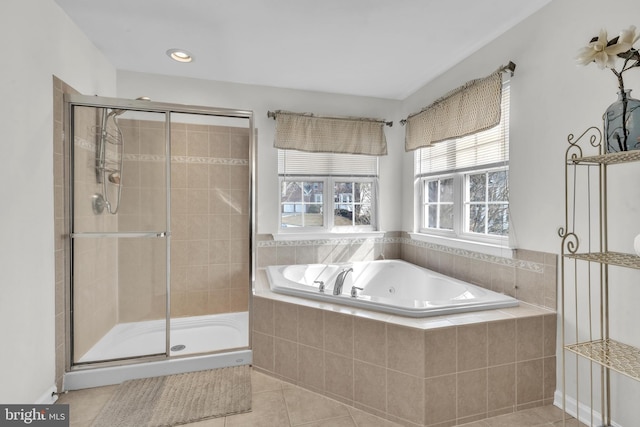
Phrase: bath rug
(178, 399)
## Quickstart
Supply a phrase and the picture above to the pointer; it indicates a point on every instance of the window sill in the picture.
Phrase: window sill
(485, 248)
(328, 236)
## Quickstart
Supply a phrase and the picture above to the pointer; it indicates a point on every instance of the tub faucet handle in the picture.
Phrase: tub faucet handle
(354, 291)
(321, 285)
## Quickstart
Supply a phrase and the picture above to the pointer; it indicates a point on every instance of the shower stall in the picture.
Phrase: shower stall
(160, 250)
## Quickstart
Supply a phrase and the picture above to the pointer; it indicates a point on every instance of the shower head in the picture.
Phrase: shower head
(116, 112)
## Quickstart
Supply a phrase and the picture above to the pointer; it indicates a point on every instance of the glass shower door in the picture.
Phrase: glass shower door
(120, 233)
(210, 223)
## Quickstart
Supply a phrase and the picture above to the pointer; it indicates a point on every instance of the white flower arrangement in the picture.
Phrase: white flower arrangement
(605, 53)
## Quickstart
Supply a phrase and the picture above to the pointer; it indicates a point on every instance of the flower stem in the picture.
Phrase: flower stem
(623, 94)
(620, 80)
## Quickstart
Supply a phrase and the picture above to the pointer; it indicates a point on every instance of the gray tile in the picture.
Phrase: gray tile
(517, 419)
(267, 409)
(364, 419)
(332, 422)
(305, 406)
(84, 405)
(278, 403)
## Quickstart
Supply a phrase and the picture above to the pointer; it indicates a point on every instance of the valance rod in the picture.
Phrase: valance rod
(273, 114)
(510, 68)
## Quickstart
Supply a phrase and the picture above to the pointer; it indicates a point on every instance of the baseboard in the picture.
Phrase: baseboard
(48, 397)
(584, 415)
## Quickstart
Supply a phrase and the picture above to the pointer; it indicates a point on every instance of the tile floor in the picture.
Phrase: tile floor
(280, 404)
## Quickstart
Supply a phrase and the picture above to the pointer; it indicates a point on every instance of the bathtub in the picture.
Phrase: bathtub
(201, 342)
(390, 286)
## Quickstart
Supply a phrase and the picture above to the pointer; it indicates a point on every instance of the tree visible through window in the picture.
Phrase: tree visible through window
(353, 203)
(487, 203)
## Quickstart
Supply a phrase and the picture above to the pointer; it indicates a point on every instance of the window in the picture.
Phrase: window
(462, 187)
(438, 207)
(327, 191)
(302, 203)
(487, 203)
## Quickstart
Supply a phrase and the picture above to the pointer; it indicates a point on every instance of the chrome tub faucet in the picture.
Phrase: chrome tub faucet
(337, 288)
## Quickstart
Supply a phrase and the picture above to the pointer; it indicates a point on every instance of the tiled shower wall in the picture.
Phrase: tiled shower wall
(210, 214)
(209, 219)
(96, 293)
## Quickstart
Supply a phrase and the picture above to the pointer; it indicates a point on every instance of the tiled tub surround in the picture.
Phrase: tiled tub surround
(439, 371)
(286, 252)
(529, 276)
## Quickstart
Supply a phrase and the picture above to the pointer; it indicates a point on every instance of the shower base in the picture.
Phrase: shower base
(198, 335)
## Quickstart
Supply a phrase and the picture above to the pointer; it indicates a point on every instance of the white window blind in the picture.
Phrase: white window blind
(302, 163)
(485, 148)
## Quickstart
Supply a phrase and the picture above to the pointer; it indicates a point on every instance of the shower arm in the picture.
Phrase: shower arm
(114, 177)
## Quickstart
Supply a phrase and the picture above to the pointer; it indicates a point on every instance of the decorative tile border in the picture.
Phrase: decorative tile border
(326, 242)
(91, 146)
(208, 160)
(508, 262)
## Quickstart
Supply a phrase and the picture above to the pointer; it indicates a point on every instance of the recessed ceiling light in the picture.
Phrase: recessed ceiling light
(180, 55)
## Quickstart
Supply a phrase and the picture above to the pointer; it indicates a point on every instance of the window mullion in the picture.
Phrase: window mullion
(486, 203)
(458, 196)
(330, 207)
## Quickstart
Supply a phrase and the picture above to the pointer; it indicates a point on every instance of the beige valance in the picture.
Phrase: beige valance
(469, 109)
(306, 132)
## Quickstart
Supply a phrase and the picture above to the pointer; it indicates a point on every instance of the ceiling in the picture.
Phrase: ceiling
(379, 48)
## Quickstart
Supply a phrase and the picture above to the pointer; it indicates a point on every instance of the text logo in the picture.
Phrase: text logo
(34, 415)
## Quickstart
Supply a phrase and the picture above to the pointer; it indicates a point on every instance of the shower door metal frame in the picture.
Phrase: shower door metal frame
(76, 100)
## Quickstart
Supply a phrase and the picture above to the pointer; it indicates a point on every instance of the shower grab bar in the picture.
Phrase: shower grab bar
(123, 234)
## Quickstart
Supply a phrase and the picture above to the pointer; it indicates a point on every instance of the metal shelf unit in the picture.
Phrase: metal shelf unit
(622, 358)
(586, 273)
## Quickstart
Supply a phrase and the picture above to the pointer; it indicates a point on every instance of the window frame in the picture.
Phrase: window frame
(467, 203)
(460, 192)
(329, 205)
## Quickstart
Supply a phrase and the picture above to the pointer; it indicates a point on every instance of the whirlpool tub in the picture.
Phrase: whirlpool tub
(390, 286)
